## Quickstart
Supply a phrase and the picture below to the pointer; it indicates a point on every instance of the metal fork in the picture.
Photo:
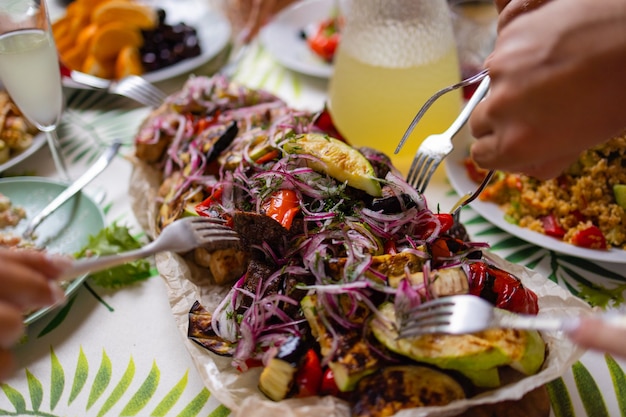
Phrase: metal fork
(470, 196)
(132, 86)
(436, 147)
(180, 236)
(462, 314)
(138, 89)
(463, 83)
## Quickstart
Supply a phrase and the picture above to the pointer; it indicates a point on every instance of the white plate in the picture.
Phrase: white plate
(492, 212)
(282, 37)
(213, 34)
(38, 142)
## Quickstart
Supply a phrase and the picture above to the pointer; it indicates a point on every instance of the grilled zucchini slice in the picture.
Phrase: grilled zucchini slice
(353, 357)
(404, 386)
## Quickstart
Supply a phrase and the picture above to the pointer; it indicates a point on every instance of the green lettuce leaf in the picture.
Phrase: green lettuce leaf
(111, 240)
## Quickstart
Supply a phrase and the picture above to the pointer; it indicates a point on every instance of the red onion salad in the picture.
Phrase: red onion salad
(339, 234)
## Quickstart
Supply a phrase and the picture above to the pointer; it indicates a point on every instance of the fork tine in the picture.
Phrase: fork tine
(203, 219)
(426, 174)
(433, 304)
(419, 327)
(421, 330)
(429, 314)
(142, 96)
(139, 89)
(216, 232)
(416, 167)
(213, 230)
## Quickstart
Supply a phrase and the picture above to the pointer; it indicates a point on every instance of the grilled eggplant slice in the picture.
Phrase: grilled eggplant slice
(201, 332)
(398, 387)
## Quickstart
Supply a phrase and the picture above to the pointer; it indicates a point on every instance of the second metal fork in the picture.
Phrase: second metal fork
(132, 86)
(180, 236)
(463, 314)
(436, 147)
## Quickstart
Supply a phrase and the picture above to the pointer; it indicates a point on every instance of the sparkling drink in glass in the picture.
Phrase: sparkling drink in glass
(29, 68)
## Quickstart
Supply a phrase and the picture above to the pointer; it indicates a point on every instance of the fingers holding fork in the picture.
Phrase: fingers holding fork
(249, 16)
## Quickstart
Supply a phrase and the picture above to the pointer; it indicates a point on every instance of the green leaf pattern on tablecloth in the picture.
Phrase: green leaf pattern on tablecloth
(592, 400)
(134, 403)
(35, 390)
(560, 399)
(144, 398)
(80, 375)
(619, 382)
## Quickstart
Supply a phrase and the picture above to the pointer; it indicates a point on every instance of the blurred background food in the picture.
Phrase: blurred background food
(584, 206)
(115, 38)
(16, 133)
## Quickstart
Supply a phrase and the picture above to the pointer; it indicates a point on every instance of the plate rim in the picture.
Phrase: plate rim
(462, 184)
(279, 22)
(39, 139)
(77, 282)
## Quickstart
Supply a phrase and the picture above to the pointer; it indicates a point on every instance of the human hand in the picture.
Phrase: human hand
(595, 334)
(557, 87)
(27, 282)
(249, 16)
(510, 9)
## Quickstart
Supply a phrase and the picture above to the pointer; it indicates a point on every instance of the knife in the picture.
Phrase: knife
(71, 190)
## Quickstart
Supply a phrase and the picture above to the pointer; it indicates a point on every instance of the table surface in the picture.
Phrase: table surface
(120, 353)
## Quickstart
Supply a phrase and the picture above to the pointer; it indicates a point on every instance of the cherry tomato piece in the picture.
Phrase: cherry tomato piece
(591, 238)
(446, 221)
(309, 377)
(329, 385)
(552, 227)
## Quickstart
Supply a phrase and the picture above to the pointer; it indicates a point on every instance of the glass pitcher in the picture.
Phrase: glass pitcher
(393, 55)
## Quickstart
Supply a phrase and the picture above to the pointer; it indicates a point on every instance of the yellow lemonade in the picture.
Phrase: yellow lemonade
(372, 105)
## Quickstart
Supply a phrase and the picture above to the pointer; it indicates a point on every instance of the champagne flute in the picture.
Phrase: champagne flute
(29, 68)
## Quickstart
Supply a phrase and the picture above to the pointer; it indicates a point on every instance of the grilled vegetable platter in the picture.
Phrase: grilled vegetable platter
(300, 316)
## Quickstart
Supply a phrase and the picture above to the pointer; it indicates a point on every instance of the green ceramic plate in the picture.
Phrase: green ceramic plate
(66, 231)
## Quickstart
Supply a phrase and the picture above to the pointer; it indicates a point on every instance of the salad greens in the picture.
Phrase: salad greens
(111, 240)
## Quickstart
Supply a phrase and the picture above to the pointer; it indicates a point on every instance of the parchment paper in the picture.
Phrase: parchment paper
(238, 391)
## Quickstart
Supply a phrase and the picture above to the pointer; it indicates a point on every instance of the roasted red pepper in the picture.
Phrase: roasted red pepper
(591, 238)
(445, 247)
(270, 156)
(203, 123)
(215, 198)
(551, 226)
(326, 38)
(283, 206)
(478, 278)
(512, 295)
(503, 289)
(309, 377)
